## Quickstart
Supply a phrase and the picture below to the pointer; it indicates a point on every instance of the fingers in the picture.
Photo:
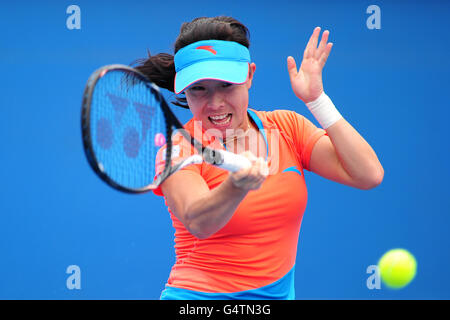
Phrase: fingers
(312, 51)
(325, 54)
(258, 173)
(260, 169)
(253, 177)
(312, 44)
(292, 67)
(322, 44)
(250, 156)
(315, 39)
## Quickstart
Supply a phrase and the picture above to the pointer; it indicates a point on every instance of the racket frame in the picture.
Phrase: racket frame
(209, 155)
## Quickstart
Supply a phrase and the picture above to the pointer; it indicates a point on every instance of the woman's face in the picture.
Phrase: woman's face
(220, 105)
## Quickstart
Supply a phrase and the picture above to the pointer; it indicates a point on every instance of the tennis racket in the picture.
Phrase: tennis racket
(126, 121)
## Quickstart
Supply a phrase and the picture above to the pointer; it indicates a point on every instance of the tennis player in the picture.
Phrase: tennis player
(236, 234)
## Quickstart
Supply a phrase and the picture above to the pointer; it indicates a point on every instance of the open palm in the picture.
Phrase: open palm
(307, 81)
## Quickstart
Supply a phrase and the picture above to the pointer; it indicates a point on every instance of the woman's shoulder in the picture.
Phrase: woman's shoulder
(282, 118)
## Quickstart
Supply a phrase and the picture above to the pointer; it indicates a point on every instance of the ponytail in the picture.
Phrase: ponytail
(160, 69)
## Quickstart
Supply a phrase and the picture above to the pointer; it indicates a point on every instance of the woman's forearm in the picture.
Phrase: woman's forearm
(211, 212)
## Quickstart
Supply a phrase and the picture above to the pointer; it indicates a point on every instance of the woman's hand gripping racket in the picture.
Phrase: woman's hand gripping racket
(125, 121)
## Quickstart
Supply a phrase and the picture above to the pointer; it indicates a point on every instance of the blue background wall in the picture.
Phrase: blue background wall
(391, 84)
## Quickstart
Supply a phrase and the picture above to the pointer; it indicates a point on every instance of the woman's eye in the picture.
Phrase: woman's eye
(226, 85)
(197, 88)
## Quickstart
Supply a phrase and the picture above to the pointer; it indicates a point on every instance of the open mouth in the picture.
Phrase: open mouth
(221, 120)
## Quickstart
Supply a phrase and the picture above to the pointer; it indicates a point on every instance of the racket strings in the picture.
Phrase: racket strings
(128, 128)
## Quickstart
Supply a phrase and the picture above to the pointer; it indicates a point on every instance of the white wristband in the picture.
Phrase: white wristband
(324, 111)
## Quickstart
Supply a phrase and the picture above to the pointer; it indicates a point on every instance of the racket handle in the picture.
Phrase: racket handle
(231, 161)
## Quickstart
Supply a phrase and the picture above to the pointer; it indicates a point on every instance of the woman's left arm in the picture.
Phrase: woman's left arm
(342, 156)
(345, 157)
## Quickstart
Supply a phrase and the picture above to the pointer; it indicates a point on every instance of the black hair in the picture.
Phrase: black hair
(160, 68)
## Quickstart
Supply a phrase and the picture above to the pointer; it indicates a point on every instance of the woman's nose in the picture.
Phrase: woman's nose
(215, 99)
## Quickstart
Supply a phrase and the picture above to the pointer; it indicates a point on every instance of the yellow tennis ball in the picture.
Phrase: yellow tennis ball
(397, 268)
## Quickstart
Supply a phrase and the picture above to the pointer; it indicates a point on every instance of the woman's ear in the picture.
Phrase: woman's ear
(251, 73)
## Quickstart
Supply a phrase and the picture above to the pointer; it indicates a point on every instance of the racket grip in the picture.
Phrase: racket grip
(232, 162)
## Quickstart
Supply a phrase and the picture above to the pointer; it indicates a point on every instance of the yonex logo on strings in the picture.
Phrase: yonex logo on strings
(131, 137)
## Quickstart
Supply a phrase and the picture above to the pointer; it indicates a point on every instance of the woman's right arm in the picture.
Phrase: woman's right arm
(203, 211)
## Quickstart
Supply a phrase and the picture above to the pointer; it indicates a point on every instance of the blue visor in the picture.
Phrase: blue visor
(211, 59)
